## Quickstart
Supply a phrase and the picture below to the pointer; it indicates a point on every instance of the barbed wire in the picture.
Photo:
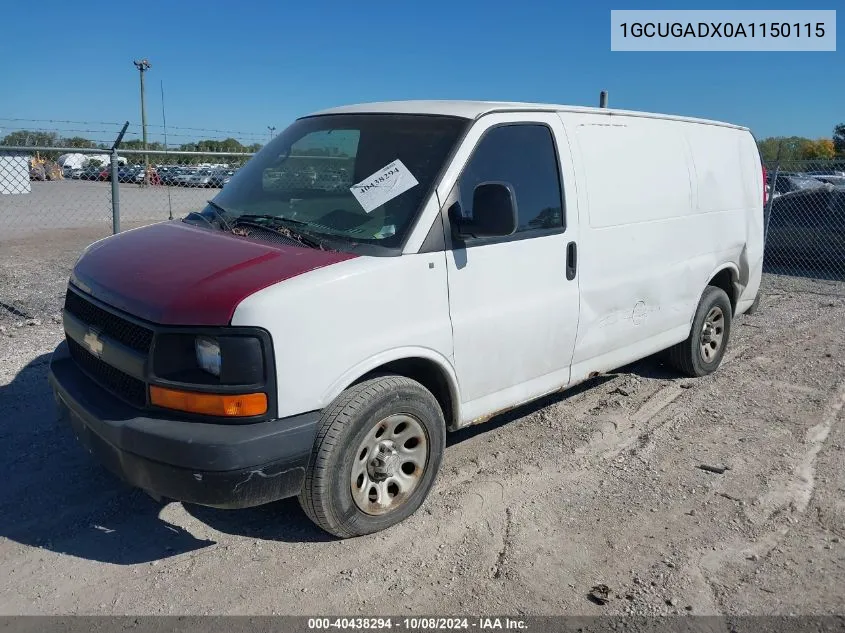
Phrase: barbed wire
(241, 133)
(61, 121)
(56, 131)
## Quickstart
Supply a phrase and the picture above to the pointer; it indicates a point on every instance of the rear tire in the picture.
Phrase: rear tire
(376, 455)
(703, 350)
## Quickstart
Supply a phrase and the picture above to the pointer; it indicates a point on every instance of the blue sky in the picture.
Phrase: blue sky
(242, 66)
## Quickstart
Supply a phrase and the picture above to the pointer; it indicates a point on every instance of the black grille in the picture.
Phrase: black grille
(126, 387)
(130, 334)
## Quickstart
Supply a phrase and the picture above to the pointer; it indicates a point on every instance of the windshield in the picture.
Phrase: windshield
(352, 180)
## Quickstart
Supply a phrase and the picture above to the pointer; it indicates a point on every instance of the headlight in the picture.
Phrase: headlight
(235, 356)
(224, 372)
(208, 354)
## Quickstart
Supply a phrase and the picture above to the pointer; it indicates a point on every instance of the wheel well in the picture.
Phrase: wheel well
(429, 375)
(724, 279)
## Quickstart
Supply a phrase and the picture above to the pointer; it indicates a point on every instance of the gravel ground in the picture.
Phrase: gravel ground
(601, 485)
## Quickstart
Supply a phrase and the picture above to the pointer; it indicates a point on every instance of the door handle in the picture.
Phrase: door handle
(571, 260)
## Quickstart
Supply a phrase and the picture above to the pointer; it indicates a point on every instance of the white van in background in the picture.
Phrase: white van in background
(312, 339)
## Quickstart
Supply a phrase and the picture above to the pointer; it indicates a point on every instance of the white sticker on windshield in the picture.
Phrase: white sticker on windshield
(384, 185)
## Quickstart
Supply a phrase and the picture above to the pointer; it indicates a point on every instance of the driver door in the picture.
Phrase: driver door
(513, 301)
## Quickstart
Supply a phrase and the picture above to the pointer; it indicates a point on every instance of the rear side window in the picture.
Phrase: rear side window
(524, 156)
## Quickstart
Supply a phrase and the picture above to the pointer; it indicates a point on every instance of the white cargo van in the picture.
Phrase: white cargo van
(382, 273)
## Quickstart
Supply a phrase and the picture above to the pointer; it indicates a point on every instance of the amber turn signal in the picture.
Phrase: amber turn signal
(218, 404)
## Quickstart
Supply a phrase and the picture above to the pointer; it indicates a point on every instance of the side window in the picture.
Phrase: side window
(524, 156)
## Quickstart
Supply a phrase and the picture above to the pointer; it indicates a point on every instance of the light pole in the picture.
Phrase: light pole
(271, 129)
(143, 66)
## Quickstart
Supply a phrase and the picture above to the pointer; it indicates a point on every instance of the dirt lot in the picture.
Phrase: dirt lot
(602, 485)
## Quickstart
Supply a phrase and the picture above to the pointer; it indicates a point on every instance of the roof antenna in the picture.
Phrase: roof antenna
(603, 99)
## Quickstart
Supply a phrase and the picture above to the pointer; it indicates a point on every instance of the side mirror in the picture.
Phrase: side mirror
(494, 212)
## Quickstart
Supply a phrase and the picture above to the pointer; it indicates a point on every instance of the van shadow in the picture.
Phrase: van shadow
(56, 497)
(282, 521)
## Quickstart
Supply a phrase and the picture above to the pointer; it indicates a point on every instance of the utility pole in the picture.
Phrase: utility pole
(143, 66)
(271, 129)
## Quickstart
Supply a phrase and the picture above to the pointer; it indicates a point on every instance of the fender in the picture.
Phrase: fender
(734, 277)
(727, 265)
(399, 353)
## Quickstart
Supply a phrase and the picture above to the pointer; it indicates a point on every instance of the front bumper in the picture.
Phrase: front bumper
(217, 465)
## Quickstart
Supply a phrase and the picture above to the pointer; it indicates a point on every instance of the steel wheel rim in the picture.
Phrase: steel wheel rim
(389, 464)
(712, 334)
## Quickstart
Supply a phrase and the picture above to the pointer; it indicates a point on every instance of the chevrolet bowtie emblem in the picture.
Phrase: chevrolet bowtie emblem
(93, 343)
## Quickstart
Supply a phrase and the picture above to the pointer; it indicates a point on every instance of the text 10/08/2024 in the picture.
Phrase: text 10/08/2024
(417, 624)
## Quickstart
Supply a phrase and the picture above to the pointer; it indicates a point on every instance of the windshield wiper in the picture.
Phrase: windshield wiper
(219, 211)
(270, 217)
(200, 216)
(277, 223)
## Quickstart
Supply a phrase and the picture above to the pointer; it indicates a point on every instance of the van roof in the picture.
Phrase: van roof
(475, 109)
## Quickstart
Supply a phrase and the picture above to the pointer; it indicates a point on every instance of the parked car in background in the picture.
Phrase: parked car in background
(164, 171)
(126, 174)
(827, 172)
(836, 181)
(139, 174)
(183, 179)
(227, 178)
(807, 228)
(788, 182)
(95, 172)
(220, 176)
(171, 175)
(201, 178)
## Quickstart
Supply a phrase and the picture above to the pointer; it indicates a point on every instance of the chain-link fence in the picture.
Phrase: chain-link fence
(805, 219)
(71, 188)
(54, 201)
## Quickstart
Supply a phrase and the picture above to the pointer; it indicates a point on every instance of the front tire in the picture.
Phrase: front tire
(703, 350)
(375, 458)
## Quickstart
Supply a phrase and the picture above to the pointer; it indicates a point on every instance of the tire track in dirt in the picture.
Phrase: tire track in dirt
(482, 501)
(793, 496)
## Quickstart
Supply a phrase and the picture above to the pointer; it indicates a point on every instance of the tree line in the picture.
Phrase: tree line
(793, 148)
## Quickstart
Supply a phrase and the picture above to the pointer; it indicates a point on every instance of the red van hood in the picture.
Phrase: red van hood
(176, 274)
